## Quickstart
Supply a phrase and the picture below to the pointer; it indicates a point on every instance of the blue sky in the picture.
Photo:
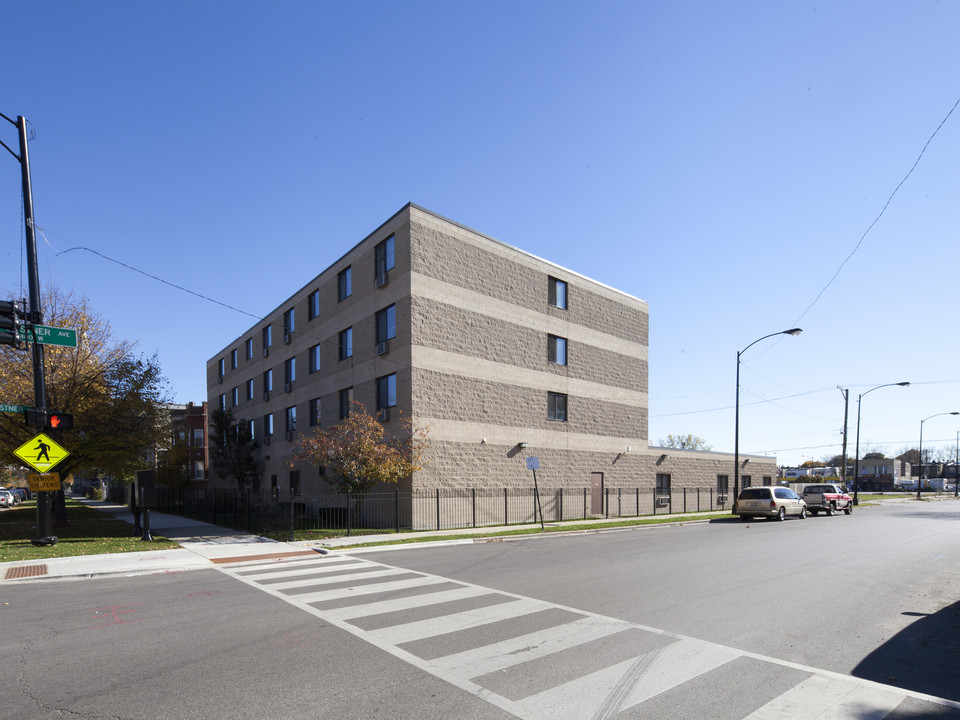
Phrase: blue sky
(718, 160)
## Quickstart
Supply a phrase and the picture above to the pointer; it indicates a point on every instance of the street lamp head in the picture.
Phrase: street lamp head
(793, 331)
(903, 384)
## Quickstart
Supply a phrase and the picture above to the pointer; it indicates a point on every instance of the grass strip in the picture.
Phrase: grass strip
(88, 532)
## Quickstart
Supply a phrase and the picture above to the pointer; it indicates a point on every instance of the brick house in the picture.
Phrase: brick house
(504, 355)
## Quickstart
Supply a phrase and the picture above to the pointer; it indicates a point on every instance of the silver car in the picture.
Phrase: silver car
(769, 502)
(7, 499)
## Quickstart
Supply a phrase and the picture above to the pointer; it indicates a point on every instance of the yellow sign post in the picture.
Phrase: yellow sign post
(41, 453)
(43, 483)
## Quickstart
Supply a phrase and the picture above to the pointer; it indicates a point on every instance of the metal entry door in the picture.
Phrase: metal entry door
(596, 494)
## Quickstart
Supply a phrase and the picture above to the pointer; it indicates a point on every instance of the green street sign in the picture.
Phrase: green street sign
(48, 335)
(13, 408)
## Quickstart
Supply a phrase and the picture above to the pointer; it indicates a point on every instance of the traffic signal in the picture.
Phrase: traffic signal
(10, 323)
(53, 419)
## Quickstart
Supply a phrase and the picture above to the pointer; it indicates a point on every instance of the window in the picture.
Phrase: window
(289, 324)
(290, 370)
(291, 418)
(268, 424)
(387, 391)
(267, 338)
(557, 293)
(346, 397)
(249, 348)
(235, 397)
(250, 389)
(198, 437)
(346, 343)
(251, 425)
(723, 483)
(386, 324)
(313, 305)
(766, 479)
(314, 412)
(221, 367)
(223, 402)
(268, 380)
(663, 484)
(745, 480)
(294, 482)
(383, 257)
(314, 355)
(344, 284)
(233, 359)
(556, 350)
(556, 407)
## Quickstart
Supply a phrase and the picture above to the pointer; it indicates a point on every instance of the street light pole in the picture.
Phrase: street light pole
(920, 474)
(736, 417)
(856, 460)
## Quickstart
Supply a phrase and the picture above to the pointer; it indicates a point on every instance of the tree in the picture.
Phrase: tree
(874, 456)
(232, 450)
(115, 395)
(911, 456)
(358, 455)
(685, 442)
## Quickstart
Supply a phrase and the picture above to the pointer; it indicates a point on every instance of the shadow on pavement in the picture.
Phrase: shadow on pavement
(924, 657)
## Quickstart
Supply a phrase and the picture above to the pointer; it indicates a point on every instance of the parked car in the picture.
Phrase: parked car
(827, 497)
(7, 499)
(769, 502)
(19, 492)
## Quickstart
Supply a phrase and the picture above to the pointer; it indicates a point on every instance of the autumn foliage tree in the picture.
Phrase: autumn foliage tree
(115, 395)
(358, 454)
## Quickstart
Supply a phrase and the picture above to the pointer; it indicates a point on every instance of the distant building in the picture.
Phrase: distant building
(187, 448)
(506, 357)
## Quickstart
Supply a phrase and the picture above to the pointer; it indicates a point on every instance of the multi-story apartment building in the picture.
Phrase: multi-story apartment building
(503, 355)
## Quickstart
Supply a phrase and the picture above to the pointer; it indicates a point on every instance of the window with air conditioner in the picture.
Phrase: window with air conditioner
(386, 321)
(384, 260)
(387, 392)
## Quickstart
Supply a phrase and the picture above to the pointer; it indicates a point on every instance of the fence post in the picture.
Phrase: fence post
(473, 493)
(560, 506)
(438, 508)
(654, 493)
(505, 519)
(684, 499)
(584, 503)
(638, 501)
(396, 508)
(606, 509)
(348, 512)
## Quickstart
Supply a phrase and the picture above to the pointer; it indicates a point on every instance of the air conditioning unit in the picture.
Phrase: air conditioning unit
(663, 500)
(287, 387)
(266, 439)
(287, 337)
(266, 396)
(381, 279)
(383, 414)
(383, 347)
(721, 498)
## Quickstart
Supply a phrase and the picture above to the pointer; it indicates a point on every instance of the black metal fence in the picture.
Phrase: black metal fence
(279, 514)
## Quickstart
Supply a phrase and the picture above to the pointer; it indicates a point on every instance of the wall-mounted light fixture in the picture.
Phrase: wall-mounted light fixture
(663, 457)
(628, 448)
(483, 441)
(524, 445)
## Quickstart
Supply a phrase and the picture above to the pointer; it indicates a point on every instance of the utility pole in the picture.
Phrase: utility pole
(35, 316)
(846, 407)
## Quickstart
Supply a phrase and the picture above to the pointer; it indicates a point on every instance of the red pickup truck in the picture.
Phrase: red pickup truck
(827, 497)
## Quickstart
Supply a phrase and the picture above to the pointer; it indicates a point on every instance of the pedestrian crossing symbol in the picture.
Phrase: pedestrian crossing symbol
(41, 453)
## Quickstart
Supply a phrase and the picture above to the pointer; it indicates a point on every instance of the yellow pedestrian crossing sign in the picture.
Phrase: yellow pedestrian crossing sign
(41, 453)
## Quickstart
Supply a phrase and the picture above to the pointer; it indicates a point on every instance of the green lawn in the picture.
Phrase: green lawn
(88, 532)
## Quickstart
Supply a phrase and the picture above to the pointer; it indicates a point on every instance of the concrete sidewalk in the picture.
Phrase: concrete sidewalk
(201, 545)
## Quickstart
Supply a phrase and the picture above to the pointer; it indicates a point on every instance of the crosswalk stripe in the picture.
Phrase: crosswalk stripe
(288, 571)
(819, 698)
(329, 579)
(499, 656)
(249, 569)
(361, 590)
(352, 612)
(419, 630)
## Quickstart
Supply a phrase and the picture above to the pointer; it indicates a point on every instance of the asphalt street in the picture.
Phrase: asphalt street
(843, 617)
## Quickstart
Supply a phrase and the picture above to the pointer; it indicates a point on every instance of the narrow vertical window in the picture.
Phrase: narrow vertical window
(723, 482)
(289, 324)
(233, 359)
(386, 324)
(268, 380)
(556, 349)
(267, 338)
(249, 348)
(250, 389)
(557, 293)
(223, 401)
(268, 424)
(315, 412)
(235, 397)
(313, 305)
(289, 370)
(346, 343)
(346, 397)
(291, 418)
(344, 284)
(387, 391)
(383, 260)
(221, 367)
(314, 358)
(251, 428)
(663, 484)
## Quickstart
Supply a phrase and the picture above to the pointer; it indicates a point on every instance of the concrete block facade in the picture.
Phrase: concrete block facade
(475, 358)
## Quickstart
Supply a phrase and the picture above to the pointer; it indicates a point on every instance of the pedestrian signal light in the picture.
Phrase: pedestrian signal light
(59, 421)
(53, 419)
